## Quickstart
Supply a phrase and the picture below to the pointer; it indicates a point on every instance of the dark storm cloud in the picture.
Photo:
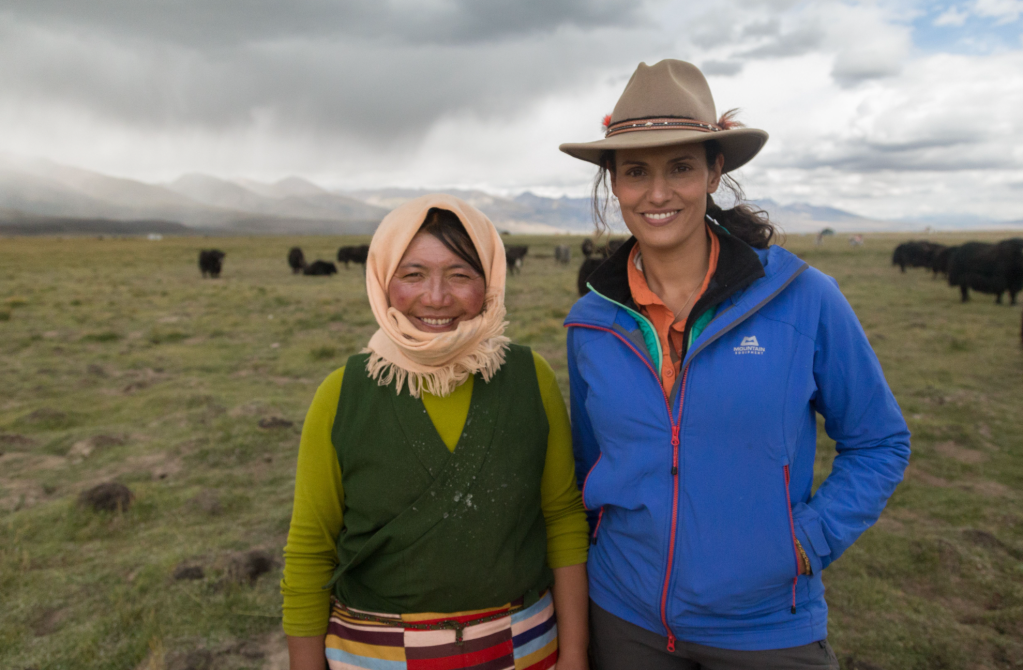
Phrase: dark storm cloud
(764, 28)
(945, 152)
(724, 68)
(793, 43)
(373, 71)
(227, 23)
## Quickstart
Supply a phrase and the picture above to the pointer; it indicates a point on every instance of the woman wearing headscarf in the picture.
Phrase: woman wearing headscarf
(698, 364)
(437, 521)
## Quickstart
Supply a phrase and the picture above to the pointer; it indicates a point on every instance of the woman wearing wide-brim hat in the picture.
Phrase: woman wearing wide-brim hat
(697, 364)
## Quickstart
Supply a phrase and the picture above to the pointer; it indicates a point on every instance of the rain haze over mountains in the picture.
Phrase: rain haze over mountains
(318, 117)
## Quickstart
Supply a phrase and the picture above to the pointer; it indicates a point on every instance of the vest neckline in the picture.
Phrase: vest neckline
(426, 441)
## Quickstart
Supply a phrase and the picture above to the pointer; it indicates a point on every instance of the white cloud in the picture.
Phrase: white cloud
(868, 44)
(1004, 11)
(951, 17)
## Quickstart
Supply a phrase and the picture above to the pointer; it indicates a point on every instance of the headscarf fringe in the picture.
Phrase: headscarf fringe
(486, 360)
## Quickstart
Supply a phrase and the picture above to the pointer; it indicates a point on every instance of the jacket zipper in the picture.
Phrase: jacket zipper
(792, 529)
(674, 504)
(674, 469)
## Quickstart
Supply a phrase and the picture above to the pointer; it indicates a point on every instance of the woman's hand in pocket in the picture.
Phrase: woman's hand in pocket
(804, 560)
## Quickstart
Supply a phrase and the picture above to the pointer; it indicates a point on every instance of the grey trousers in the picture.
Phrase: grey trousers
(616, 644)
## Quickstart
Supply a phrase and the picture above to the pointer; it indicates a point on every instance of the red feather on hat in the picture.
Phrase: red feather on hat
(728, 120)
(606, 121)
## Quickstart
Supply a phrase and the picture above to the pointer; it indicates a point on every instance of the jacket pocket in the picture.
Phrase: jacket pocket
(737, 551)
(811, 535)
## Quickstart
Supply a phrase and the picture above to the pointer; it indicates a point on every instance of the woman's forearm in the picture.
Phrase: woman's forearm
(571, 604)
(307, 653)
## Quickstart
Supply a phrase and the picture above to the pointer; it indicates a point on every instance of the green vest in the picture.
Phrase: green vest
(430, 530)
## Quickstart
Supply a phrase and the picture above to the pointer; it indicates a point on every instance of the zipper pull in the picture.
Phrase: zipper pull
(674, 455)
(671, 642)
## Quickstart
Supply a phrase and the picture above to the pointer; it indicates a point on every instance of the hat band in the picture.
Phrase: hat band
(663, 123)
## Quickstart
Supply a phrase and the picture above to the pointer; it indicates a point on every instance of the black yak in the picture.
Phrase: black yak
(211, 261)
(585, 270)
(513, 255)
(590, 248)
(353, 254)
(320, 269)
(563, 254)
(296, 260)
(988, 268)
(915, 254)
(939, 264)
(594, 257)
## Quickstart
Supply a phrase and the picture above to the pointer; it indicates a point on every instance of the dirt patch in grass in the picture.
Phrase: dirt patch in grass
(991, 489)
(49, 621)
(82, 449)
(914, 472)
(266, 651)
(15, 441)
(48, 418)
(155, 465)
(951, 449)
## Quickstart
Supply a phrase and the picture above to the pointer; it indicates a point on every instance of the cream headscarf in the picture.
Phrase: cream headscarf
(434, 362)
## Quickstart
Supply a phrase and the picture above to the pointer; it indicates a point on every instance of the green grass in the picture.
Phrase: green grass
(127, 348)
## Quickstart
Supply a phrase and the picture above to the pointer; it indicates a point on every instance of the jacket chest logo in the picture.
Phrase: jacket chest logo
(749, 345)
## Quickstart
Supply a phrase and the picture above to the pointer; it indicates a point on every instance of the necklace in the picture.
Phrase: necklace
(686, 303)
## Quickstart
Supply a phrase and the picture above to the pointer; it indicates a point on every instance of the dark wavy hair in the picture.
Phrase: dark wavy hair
(750, 224)
(446, 227)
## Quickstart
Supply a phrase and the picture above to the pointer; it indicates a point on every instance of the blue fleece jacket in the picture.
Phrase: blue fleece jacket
(697, 499)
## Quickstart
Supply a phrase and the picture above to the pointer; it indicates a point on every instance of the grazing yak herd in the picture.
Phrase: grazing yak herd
(211, 260)
(995, 268)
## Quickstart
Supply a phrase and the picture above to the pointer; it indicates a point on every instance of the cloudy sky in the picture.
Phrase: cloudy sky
(888, 109)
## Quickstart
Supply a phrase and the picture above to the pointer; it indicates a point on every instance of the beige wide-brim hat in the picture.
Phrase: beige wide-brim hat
(670, 103)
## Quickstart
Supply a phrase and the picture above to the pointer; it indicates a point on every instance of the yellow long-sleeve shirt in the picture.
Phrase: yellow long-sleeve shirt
(318, 514)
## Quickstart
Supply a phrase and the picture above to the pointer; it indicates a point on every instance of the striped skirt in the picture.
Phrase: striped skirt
(481, 639)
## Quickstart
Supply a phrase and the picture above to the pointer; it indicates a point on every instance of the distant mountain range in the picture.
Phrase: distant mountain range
(42, 197)
(198, 202)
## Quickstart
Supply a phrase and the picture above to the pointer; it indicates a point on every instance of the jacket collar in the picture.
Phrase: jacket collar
(744, 290)
(738, 267)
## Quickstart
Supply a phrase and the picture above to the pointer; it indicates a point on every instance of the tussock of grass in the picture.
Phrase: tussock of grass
(104, 336)
(168, 337)
(323, 353)
(937, 583)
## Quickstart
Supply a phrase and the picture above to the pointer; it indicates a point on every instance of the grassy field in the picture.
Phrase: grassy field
(119, 363)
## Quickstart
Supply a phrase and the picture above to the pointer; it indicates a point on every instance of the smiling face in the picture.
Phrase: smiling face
(434, 288)
(663, 192)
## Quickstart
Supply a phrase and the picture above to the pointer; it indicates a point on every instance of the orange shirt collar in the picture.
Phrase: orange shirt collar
(669, 332)
(648, 301)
